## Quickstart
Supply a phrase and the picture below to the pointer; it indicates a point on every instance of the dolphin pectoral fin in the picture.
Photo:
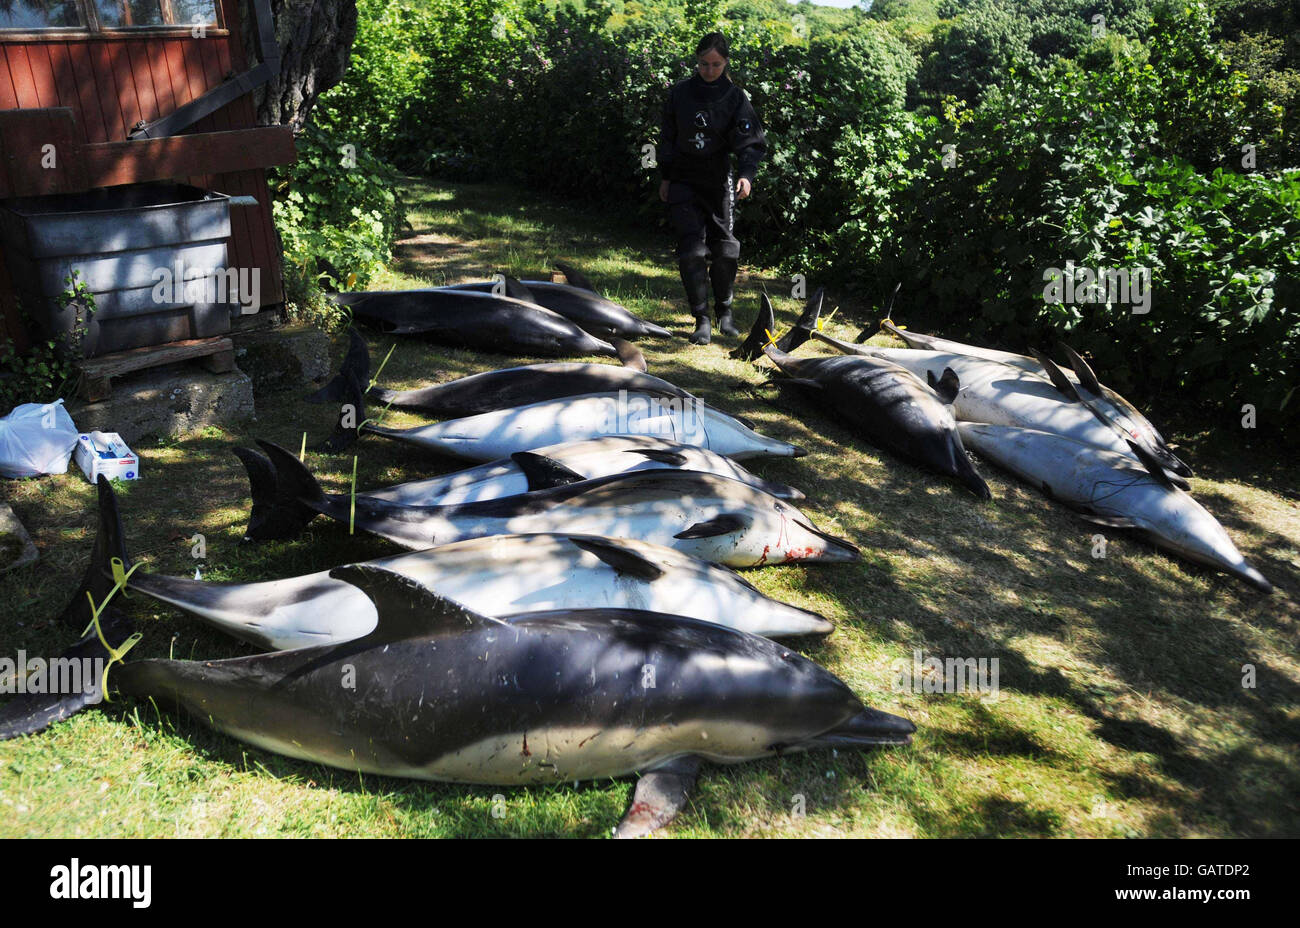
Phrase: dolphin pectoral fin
(1108, 521)
(662, 455)
(629, 354)
(718, 525)
(1082, 370)
(659, 795)
(946, 386)
(1058, 378)
(1155, 468)
(406, 608)
(575, 277)
(623, 560)
(542, 472)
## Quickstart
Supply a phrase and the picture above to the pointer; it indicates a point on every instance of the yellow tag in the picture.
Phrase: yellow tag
(891, 322)
(302, 452)
(119, 573)
(821, 322)
(771, 339)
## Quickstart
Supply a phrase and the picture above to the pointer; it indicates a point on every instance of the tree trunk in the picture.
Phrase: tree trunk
(315, 38)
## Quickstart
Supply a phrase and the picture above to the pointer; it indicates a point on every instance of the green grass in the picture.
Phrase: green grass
(1121, 709)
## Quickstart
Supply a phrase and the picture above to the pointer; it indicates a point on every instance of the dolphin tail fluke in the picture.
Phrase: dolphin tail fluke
(868, 727)
(629, 354)
(356, 360)
(352, 411)
(659, 795)
(30, 713)
(295, 487)
(807, 323)
(110, 542)
(271, 517)
(764, 323)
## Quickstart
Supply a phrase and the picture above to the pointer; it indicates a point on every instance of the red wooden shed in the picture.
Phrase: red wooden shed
(128, 91)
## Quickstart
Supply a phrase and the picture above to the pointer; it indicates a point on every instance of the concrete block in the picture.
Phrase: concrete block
(167, 400)
(283, 361)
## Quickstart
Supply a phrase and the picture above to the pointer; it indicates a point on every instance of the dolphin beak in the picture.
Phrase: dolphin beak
(870, 726)
(1253, 577)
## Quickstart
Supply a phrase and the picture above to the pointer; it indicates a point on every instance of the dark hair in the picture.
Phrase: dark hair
(713, 40)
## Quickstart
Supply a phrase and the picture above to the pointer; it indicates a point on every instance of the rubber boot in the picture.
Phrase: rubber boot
(723, 276)
(702, 332)
(695, 278)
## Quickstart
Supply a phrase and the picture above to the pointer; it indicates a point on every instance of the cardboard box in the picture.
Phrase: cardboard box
(105, 453)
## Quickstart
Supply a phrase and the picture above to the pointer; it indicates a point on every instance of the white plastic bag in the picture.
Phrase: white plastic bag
(36, 438)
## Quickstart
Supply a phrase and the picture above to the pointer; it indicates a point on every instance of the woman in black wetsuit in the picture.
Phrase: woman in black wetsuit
(705, 120)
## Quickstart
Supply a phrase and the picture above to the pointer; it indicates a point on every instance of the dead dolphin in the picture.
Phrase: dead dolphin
(703, 515)
(439, 692)
(559, 572)
(580, 303)
(889, 406)
(596, 457)
(492, 390)
(482, 321)
(1082, 381)
(1115, 490)
(1004, 394)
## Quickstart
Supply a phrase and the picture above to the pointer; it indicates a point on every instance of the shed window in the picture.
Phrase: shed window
(105, 15)
(41, 14)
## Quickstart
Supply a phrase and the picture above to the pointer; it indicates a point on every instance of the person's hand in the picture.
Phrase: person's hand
(742, 188)
(663, 190)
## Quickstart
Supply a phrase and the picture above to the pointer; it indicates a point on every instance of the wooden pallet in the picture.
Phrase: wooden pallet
(215, 354)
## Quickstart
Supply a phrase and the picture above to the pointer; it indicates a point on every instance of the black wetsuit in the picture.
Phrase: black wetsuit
(703, 125)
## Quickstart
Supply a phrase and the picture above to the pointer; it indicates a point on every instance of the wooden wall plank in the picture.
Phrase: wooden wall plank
(20, 69)
(83, 73)
(142, 75)
(128, 99)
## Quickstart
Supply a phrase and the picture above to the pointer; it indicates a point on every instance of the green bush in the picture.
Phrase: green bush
(1093, 168)
(337, 211)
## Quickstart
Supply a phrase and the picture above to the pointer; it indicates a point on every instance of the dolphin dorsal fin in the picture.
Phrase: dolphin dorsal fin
(575, 277)
(1059, 380)
(1082, 370)
(622, 559)
(544, 473)
(516, 290)
(405, 607)
(718, 525)
(946, 386)
(662, 455)
(1155, 468)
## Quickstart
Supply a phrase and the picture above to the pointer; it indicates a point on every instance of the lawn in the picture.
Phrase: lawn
(1121, 709)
